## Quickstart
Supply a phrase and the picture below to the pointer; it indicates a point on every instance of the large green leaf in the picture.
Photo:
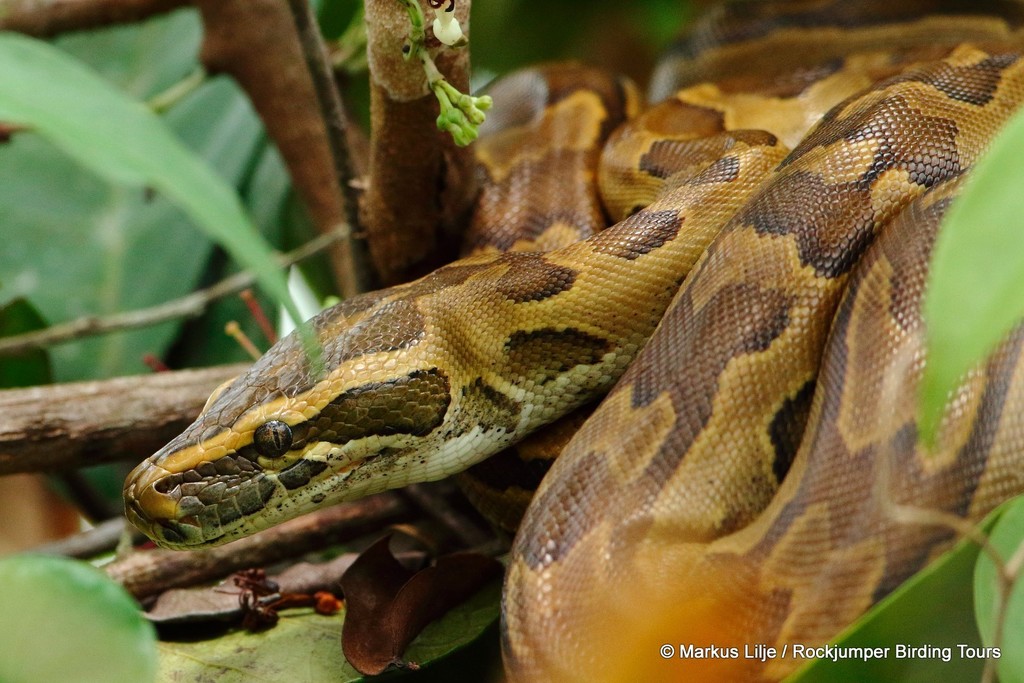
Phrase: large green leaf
(1006, 538)
(265, 193)
(306, 648)
(142, 59)
(81, 246)
(931, 609)
(125, 142)
(977, 274)
(64, 620)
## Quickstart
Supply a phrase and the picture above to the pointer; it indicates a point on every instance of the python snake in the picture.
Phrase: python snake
(754, 308)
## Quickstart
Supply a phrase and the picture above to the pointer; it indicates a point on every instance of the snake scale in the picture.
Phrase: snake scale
(753, 313)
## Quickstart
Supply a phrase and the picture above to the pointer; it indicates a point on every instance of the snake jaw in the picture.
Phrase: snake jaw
(182, 510)
(183, 500)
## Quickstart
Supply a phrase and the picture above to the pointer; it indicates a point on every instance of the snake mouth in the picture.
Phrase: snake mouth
(195, 508)
(168, 533)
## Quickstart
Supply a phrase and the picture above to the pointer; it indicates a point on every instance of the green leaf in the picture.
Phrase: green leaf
(458, 627)
(65, 620)
(977, 274)
(103, 248)
(123, 141)
(144, 58)
(305, 647)
(28, 368)
(203, 341)
(933, 609)
(1006, 538)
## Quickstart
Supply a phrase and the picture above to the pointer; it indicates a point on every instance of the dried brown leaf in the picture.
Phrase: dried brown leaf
(388, 605)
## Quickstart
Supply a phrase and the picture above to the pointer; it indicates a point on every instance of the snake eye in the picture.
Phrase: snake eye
(272, 439)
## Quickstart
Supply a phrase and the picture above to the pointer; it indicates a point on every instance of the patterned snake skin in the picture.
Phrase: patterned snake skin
(741, 481)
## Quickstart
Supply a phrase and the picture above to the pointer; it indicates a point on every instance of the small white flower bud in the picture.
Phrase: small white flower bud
(447, 28)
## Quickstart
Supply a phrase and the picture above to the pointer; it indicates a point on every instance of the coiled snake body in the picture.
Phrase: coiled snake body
(722, 493)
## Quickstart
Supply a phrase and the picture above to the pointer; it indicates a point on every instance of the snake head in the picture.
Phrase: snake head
(279, 441)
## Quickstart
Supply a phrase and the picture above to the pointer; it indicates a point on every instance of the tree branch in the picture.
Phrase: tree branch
(189, 306)
(255, 42)
(336, 124)
(45, 18)
(150, 572)
(62, 426)
(412, 228)
(87, 544)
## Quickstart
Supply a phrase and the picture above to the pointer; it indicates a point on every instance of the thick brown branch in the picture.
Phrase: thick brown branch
(255, 42)
(43, 18)
(63, 426)
(150, 572)
(411, 227)
(333, 114)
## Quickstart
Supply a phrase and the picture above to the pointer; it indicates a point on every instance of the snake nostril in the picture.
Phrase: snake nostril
(167, 484)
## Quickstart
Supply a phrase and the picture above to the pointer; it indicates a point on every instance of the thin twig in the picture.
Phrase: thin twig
(188, 306)
(234, 330)
(100, 539)
(333, 113)
(166, 99)
(258, 314)
(1007, 574)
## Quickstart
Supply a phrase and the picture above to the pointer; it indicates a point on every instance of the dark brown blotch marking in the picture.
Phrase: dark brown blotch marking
(538, 194)
(754, 137)
(562, 515)
(544, 354)
(564, 80)
(688, 355)
(725, 170)
(975, 84)
(832, 224)
(488, 408)
(415, 404)
(787, 429)
(531, 277)
(447, 276)
(550, 183)
(785, 85)
(910, 257)
(285, 370)
(906, 138)
(696, 345)
(665, 158)
(252, 496)
(300, 473)
(639, 234)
